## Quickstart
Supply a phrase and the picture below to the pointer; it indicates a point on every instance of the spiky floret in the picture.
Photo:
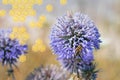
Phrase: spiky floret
(51, 72)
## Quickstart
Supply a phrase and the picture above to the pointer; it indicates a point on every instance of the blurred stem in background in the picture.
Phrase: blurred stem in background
(11, 71)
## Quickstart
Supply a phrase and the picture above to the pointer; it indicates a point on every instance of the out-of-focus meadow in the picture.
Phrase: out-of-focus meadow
(35, 20)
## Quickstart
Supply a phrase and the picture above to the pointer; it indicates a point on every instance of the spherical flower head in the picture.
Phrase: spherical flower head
(71, 32)
(51, 72)
(10, 50)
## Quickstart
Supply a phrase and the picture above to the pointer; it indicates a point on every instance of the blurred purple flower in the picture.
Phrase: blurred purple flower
(51, 72)
(10, 50)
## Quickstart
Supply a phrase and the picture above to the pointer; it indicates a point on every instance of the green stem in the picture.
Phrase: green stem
(11, 71)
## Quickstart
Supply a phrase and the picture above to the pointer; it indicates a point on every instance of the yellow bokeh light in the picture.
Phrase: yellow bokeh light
(49, 8)
(35, 48)
(18, 13)
(2, 12)
(20, 34)
(63, 2)
(21, 42)
(11, 13)
(22, 29)
(42, 18)
(32, 24)
(15, 29)
(26, 36)
(14, 7)
(25, 13)
(12, 36)
(42, 48)
(19, 1)
(22, 58)
(22, 8)
(39, 24)
(38, 46)
(11, 1)
(16, 18)
(22, 19)
(25, 1)
(39, 1)
(5, 1)
(32, 13)
(38, 41)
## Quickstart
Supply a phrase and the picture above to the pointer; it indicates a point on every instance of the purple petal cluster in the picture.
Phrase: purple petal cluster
(72, 31)
(51, 72)
(73, 39)
(10, 50)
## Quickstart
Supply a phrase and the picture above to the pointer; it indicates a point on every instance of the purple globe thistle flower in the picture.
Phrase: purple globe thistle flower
(73, 40)
(10, 50)
(72, 31)
(51, 72)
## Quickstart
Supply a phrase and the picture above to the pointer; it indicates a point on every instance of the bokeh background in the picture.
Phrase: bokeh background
(31, 21)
